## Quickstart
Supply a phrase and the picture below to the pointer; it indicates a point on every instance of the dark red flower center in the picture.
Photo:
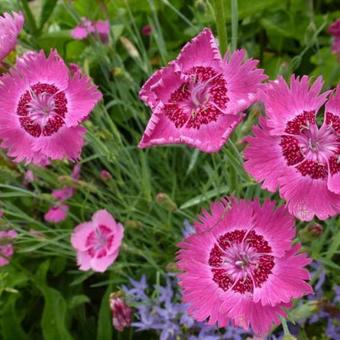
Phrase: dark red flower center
(99, 241)
(42, 110)
(200, 99)
(313, 151)
(240, 261)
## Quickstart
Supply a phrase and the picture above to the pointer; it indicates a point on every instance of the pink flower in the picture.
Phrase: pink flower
(76, 172)
(41, 107)
(83, 30)
(97, 242)
(87, 27)
(57, 213)
(121, 312)
(10, 27)
(292, 153)
(28, 177)
(6, 247)
(334, 28)
(105, 175)
(197, 98)
(336, 45)
(146, 30)
(103, 30)
(240, 267)
(63, 194)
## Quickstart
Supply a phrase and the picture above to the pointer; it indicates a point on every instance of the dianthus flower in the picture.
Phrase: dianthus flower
(293, 151)
(240, 267)
(57, 213)
(42, 105)
(334, 30)
(97, 242)
(6, 247)
(198, 98)
(10, 27)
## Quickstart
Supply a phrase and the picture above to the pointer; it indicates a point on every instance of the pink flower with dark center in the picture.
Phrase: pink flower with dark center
(240, 267)
(6, 247)
(97, 242)
(57, 213)
(121, 312)
(197, 99)
(10, 27)
(294, 152)
(42, 105)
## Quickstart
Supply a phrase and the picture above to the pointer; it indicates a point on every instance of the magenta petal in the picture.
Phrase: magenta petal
(79, 33)
(36, 67)
(283, 102)
(209, 138)
(263, 157)
(80, 234)
(200, 51)
(243, 81)
(10, 28)
(100, 265)
(307, 197)
(57, 213)
(66, 143)
(82, 97)
(147, 94)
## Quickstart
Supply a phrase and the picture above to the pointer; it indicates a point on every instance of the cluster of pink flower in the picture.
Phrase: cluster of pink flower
(240, 266)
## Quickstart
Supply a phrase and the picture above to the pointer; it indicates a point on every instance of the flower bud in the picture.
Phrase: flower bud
(121, 312)
(146, 30)
(311, 232)
(132, 224)
(105, 175)
(165, 201)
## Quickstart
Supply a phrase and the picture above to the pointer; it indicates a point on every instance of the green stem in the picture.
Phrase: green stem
(221, 25)
(285, 326)
(234, 24)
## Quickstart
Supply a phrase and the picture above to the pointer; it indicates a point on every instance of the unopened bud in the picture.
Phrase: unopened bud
(121, 312)
(130, 47)
(171, 267)
(165, 201)
(311, 232)
(132, 224)
(105, 175)
(146, 30)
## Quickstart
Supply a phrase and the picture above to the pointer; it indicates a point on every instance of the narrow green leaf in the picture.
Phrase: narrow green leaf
(46, 11)
(31, 24)
(104, 330)
(53, 322)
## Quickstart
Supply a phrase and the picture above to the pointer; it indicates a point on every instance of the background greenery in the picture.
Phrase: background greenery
(42, 294)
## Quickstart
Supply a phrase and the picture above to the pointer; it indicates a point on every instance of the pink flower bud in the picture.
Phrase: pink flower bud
(105, 175)
(146, 30)
(121, 312)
